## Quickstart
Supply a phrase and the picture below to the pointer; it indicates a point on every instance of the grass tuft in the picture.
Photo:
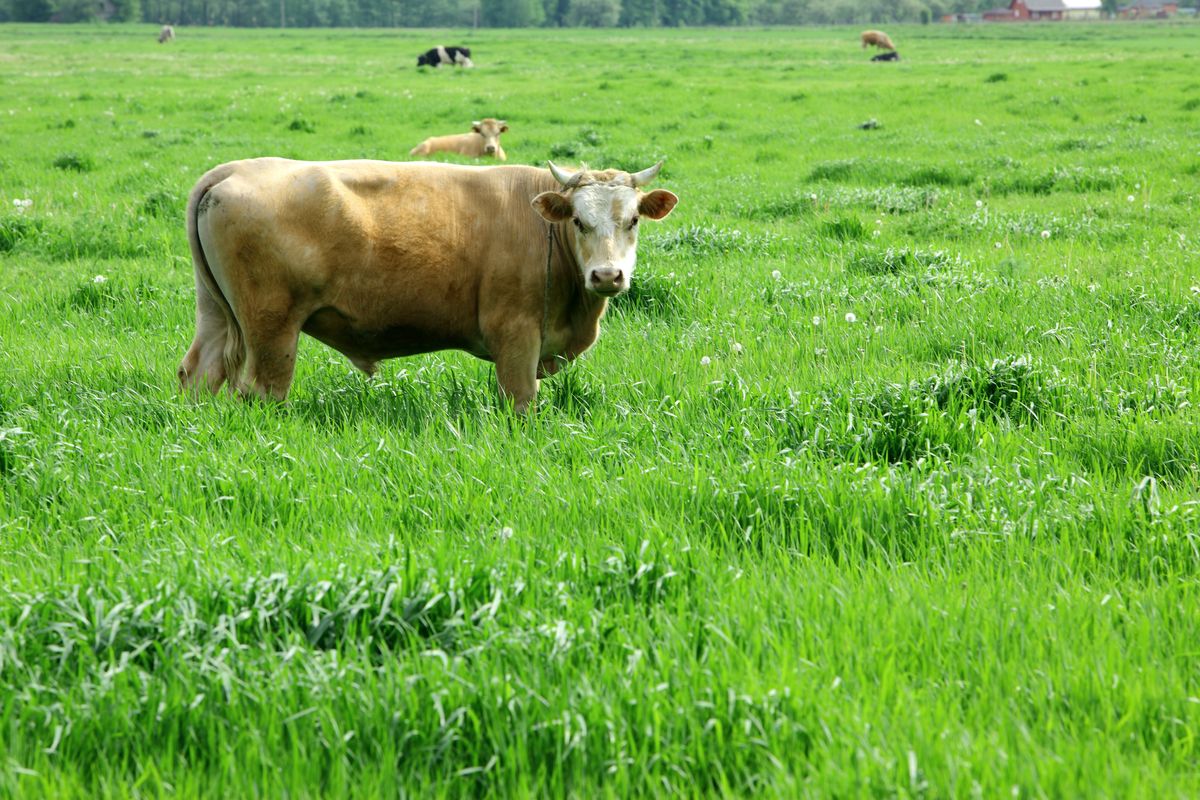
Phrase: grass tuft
(655, 295)
(893, 261)
(844, 229)
(74, 162)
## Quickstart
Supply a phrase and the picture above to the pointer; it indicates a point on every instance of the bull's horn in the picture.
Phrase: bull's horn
(562, 177)
(646, 175)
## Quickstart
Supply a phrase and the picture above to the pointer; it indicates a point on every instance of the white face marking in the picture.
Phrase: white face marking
(605, 236)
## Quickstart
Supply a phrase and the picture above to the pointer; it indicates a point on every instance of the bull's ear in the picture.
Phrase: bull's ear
(553, 206)
(503, 126)
(657, 204)
(475, 126)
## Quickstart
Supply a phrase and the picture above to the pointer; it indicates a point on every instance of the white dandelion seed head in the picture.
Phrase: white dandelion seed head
(813, 197)
(850, 317)
(1137, 186)
(879, 329)
(705, 361)
(878, 222)
(737, 347)
(999, 245)
(979, 204)
(776, 274)
(816, 320)
(505, 534)
(1045, 234)
(1131, 198)
(99, 279)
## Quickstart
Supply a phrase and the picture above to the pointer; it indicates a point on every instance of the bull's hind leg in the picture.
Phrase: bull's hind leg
(271, 342)
(204, 364)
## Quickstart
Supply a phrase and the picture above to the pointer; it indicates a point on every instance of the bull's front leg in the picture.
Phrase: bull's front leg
(550, 366)
(516, 359)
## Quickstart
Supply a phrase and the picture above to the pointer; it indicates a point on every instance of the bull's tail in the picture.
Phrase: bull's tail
(234, 355)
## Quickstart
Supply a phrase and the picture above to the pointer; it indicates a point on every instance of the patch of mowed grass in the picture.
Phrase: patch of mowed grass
(75, 162)
(1161, 449)
(1077, 180)
(874, 171)
(890, 199)
(844, 229)
(711, 240)
(934, 417)
(850, 365)
(893, 261)
(16, 228)
(656, 294)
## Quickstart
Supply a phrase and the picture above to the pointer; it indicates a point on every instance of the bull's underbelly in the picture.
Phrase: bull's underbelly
(384, 339)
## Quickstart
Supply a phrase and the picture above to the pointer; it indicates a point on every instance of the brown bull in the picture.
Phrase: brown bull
(878, 39)
(375, 259)
(483, 140)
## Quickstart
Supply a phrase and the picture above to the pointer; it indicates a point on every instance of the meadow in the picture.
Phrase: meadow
(881, 482)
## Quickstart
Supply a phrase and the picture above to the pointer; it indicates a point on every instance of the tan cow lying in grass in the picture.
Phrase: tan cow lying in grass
(483, 140)
(878, 39)
(377, 260)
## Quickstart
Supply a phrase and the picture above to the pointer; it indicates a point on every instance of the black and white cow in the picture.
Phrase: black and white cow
(889, 56)
(436, 57)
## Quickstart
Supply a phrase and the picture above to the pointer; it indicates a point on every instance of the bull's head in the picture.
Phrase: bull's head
(490, 129)
(605, 208)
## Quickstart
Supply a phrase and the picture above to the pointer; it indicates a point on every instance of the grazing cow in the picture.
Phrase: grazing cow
(483, 140)
(435, 57)
(167, 34)
(890, 56)
(377, 260)
(878, 39)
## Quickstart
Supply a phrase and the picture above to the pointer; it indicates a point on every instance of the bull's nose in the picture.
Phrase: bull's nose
(489, 149)
(607, 280)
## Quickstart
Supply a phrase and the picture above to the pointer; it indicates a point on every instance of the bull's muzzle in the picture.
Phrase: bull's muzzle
(608, 281)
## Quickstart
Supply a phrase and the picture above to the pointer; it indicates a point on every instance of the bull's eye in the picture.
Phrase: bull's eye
(582, 228)
(633, 224)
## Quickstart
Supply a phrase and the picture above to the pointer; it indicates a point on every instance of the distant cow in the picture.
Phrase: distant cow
(891, 56)
(437, 56)
(878, 39)
(483, 140)
(514, 265)
(167, 34)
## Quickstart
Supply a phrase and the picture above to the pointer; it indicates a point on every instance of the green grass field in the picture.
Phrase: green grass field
(881, 482)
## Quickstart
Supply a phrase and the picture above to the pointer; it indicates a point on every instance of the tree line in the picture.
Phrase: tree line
(488, 13)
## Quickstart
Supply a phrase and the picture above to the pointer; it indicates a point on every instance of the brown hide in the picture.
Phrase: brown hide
(378, 260)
